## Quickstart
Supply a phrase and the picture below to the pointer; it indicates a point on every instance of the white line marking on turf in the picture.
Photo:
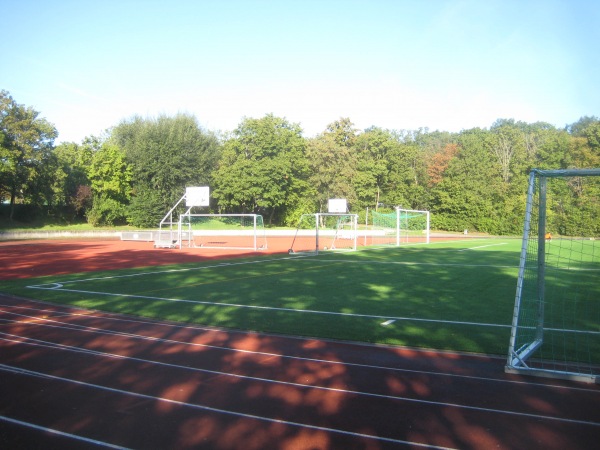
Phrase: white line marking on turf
(413, 263)
(61, 433)
(271, 308)
(60, 284)
(483, 246)
(46, 286)
(139, 274)
(388, 322)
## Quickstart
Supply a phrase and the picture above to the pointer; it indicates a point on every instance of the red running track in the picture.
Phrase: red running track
(26, 259)
(72, 378)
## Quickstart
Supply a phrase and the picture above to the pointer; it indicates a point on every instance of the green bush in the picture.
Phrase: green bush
(146, 209)
(106, 211)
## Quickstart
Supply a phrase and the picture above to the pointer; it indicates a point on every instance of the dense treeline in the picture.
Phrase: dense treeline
(133, 174)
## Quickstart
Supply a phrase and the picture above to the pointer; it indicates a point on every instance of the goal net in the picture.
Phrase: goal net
(325, 232)
(397, 227)
(556, 319)
(222, 231)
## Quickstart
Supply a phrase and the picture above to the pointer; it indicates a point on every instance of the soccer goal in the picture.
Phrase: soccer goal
(397, 227)
(325, 232)
(556, 318)
(222, 231)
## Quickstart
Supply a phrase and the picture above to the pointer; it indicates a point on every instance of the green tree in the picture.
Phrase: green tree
(579, 128)
(406, 183)
(110, 176)
(73, 162)
(262, 169)
(25, 150)
(470, 194)
(372, 148)
(592, 136)
(508, 146)
(553, 152)
(45, 189)
(332, 162)
(166, 155)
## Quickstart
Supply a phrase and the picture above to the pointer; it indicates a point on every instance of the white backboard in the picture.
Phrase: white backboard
(197, 196)
(337, 205)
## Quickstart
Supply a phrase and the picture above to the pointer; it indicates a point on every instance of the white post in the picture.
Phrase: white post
(255, 233)
(355, 230)
(397, 226)
(318, 217)
(366, 226)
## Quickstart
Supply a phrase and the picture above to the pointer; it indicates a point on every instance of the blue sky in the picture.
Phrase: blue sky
(443, 64)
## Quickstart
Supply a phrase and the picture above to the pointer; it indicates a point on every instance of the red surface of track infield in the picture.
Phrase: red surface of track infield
(72, 378)
(25, 259)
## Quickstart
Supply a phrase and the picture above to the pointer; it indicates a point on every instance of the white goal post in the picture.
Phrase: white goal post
(325, 232)
(556, 318)
(222, 231)
(402, 226)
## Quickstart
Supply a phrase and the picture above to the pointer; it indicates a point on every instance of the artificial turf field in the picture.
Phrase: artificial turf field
(456, 295)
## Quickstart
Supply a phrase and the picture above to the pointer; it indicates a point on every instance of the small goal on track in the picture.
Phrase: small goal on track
(222, 231)
(401, 226)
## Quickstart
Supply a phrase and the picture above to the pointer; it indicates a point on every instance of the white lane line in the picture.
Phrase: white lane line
(45, 344)
(88, 329)
(220, 410)
(61, 433)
